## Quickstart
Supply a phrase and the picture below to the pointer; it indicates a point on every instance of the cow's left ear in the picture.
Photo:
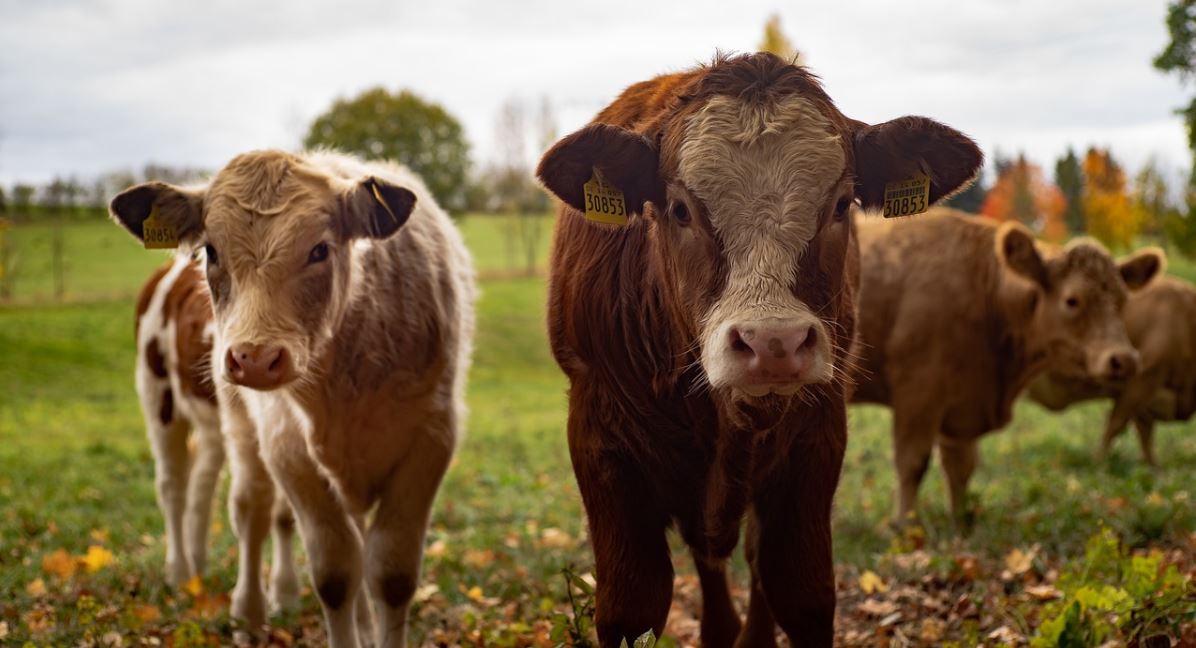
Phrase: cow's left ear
(377, 209)
(179, 208)
(903, 148)
(1139, 268)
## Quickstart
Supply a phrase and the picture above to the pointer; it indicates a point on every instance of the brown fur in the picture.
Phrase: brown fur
(1161, 321)
(652, 444)
(956, 316)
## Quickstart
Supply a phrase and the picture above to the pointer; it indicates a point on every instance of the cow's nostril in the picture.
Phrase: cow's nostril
(810, 341)
(738, 344)
(274, 366)
(1115, 363)
(233, 365)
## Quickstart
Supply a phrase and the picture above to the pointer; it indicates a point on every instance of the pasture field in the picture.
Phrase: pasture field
(1060, 545)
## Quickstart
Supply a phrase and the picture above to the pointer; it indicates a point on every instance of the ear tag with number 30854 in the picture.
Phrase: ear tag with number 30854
(604, 203)
(907, 197)
(156, 234)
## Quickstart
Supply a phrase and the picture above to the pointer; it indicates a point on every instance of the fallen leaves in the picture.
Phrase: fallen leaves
(96, 559)
(59, 564)
(870, 582)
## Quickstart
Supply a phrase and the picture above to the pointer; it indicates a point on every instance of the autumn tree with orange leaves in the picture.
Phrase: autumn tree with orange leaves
(1111, 216)
(1021, 193)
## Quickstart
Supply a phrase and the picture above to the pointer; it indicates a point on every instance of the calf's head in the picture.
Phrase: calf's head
(1079, 293)
(746, 182)
(276, 234)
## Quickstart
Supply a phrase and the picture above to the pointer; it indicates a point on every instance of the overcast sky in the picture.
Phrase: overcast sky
(88, 86)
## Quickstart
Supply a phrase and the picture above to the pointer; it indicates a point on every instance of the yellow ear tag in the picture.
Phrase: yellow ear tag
(156, 234)
(382, 201)
(907, 197)
(604, 203)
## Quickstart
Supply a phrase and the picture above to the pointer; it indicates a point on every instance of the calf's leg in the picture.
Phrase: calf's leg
(201, 489)
(395, 542)
(330, 535)
(792, 505)
(959, 457)
(284, 582)
(760, 629)
(914, 431)
(251, 496)
(1144, 425)
(172, 467)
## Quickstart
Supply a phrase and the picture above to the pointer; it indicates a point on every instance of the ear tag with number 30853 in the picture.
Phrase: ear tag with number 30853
(604, 203)
(156, 234)
(907, 197)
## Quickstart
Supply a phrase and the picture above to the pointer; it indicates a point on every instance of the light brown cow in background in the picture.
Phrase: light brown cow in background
(957, 314)
(181, 405)
(1161, 321)
(343, 302)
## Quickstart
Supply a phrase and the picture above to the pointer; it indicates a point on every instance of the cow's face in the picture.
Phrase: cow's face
(747, 183)
(1080, 294)
(276, 236)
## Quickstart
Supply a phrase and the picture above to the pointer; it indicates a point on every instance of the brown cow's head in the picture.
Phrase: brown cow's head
(747, 180)
(277, 233)
(1079, 295)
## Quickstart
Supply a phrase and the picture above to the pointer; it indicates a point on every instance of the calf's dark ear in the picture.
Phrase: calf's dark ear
(625, 160)
(1139, 268)
(1016, 250)
(377, 209)
(179, 208)
(905, 147)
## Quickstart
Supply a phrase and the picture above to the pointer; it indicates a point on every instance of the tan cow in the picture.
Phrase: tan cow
(957, 314)
(343, 300)
(180, 403)
(1161, 321)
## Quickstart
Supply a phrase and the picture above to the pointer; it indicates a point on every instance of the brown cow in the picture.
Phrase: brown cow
(705, 340)
(343, 313)
(180, 403)
(1161, 321)
(957, 314)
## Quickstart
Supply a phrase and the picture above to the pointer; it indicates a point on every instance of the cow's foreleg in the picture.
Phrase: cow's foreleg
(172, 465)
(959, 457)
(794, 566)
(760, 631)
(330, 535)
(395, 542)
(1144, 425)
(632, 566)
(250, 498)
(284, 582)
(914, 432)
(201, 489)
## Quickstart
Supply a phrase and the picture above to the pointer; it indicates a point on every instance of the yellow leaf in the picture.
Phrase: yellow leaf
(478, 559)
(36, 588)
(99, 535)
(1018, 561)
(59, 563)
(870, 582)
(425, 592)
(437, 549)
(96, 559)
(1154, 499)
(474, 593)
(146, 613)
(194, 587)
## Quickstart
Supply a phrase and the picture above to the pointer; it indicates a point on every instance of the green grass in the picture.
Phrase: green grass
(73, 460)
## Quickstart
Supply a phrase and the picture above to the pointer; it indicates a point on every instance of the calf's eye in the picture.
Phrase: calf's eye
(1072, 302)
(841, 207)
(318, 254)
(210, 253)
(679, 212)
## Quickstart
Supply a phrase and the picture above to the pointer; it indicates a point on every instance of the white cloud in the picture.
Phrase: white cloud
(91, 86)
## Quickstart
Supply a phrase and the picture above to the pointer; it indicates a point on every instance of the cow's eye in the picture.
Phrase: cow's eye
(318, 254)
(679, 212)
(1072, 303)
(841, 207)
(210, 253)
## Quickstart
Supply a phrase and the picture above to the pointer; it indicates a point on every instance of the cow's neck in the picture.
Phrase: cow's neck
(1022, 349)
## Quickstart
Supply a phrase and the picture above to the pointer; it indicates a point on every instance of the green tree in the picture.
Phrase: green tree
(1069, 177)
(22, 198)
(1152, 198)
(378, 124)
(3, 201)
(777, 42)
(1179, 57)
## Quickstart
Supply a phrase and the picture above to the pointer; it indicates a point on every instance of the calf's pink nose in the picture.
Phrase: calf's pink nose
(774, 353)
(257, 366)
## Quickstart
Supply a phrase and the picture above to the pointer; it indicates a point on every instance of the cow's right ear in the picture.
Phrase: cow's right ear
(1017, 251)
(1139, 268)
(177, 207)
(625, 160)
